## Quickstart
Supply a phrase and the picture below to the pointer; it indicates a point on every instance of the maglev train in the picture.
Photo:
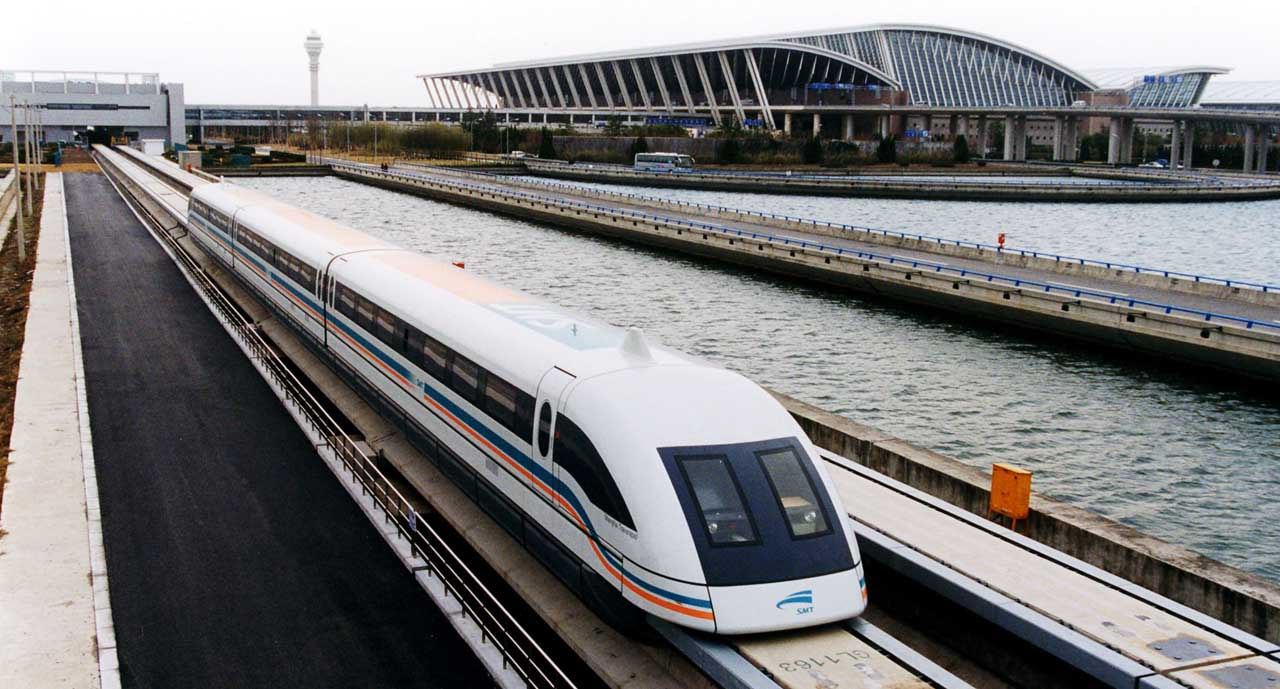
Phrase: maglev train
(649, 481)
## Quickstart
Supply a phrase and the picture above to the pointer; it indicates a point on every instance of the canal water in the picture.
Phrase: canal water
(1185, 458)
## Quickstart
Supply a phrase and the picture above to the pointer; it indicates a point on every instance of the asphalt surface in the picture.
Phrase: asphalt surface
(235, 557)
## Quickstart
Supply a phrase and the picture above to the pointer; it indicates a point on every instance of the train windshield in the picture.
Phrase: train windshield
(795, 492)
(758, 511)
(719, 499)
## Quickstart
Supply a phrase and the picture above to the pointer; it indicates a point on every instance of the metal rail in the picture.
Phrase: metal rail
(518, 649)
(1059, 258)
(939, 268)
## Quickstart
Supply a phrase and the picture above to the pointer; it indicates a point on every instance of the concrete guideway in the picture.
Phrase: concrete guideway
(1183, 189)
(206, 487)
(56, 626)
(1118, 634)
(1106, 278)
(1222, 341)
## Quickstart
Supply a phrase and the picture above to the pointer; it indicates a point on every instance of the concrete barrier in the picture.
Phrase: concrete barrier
(1011, 257)
(854, 187)
(1226, 593)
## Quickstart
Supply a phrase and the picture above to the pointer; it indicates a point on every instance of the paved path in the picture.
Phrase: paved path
(48, 635)
(236, 559)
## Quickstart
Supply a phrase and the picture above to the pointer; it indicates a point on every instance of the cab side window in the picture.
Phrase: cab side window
(576, 455)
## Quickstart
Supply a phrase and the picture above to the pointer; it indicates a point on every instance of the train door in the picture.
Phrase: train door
(556, 536)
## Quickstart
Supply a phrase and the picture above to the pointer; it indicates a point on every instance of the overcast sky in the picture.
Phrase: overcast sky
(236, 51)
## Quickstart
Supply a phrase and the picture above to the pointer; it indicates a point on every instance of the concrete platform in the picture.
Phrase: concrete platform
(54, 630)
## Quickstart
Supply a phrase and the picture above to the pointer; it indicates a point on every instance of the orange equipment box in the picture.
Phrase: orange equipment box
(1010, 492)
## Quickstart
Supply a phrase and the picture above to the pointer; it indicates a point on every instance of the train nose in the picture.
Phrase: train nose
(789, 604)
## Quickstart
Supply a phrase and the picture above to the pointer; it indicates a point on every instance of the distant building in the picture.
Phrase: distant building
(95, 107)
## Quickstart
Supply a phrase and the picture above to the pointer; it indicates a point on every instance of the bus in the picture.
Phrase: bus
(663, 162)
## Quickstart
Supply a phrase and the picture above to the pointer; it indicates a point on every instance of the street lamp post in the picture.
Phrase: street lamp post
(17, 180)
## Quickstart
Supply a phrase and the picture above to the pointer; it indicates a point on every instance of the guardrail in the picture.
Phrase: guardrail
(1060, 258)
(955, 180)
(1015, 283)
(498, 626)
(870, 181)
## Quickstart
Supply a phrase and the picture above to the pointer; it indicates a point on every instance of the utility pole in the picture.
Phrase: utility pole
(26, 152)
(39, 151)
(17, 180)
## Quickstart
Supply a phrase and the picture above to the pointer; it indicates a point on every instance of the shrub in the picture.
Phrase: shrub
(730, 152)
(962, 149)
(813, 151)
(887, 151)
(546, 147)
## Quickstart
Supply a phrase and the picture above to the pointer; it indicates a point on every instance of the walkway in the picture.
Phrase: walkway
(236, 559)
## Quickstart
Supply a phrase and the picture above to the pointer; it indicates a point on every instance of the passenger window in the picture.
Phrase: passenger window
(413, 345)
(387, 330)
(346, 302)
(500, 401)
(794, 490)
(364, 314)
(544, 429)
(465, 378)
(576, 455)
(719, 499)
(435, 358)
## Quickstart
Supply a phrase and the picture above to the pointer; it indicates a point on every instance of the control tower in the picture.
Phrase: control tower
(313, 46)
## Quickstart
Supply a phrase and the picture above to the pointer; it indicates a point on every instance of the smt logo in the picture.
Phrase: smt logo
(800, 601)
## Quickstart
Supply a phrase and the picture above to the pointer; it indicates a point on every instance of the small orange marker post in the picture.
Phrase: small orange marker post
(1010, 493)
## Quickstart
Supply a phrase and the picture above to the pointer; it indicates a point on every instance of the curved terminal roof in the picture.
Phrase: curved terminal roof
(1242, 93)
(934, 65)
(1159, 87)
(1128, 77)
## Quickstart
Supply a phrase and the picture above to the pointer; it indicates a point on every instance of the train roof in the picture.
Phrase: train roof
(471, 313)
(264, 213)
(466, 311)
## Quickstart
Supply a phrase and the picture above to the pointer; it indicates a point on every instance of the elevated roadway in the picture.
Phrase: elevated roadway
(1218, 323)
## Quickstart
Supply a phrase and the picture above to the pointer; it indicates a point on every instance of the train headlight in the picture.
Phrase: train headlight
(713, 527)
(810, 516)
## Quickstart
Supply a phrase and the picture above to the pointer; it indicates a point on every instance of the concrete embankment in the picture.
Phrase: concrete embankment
(1242, 351)
(1069, 267)
(853, 185)
(1236, 597)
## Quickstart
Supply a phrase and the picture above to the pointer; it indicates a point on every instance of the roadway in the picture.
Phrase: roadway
(235, 557)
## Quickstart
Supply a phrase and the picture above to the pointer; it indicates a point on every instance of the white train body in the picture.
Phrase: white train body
(681, 487)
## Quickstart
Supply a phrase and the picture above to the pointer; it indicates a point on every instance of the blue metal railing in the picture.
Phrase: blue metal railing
(1057, 258)
(918, 264)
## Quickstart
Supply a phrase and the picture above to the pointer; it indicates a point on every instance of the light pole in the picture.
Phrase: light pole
(17, 180)
(26, 152)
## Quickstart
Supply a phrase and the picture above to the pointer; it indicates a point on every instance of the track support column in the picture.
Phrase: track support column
(1009, 133)
(817, 124)
(1113, 141)
(1188, 145)
(1059, 137)
(1175, 145)
(1250, 145)
(848, 128)
(1264, 143)
(786, 123)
